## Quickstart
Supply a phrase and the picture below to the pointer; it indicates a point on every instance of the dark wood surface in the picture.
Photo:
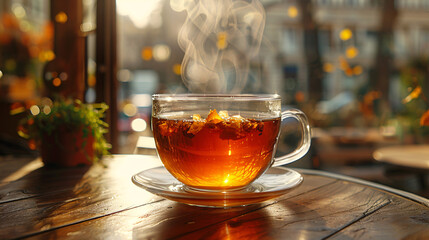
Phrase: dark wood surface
(101, 202)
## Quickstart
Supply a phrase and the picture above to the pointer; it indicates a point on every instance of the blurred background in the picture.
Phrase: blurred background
(359, 69)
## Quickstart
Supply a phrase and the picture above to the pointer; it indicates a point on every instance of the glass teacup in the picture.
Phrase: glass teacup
(215, 142)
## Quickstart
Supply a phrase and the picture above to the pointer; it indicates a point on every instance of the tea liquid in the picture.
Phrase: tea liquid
(216, 153)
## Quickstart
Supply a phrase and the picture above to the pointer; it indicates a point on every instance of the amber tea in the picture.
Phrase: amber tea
(220, 152)
(210, 149)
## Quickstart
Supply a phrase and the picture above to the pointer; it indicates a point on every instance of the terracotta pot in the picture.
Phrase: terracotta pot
(67, 148)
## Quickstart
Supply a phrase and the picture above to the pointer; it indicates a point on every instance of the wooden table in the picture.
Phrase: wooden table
(413, 156)
(101, 202)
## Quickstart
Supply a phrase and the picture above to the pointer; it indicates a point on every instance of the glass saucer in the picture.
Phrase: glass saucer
(275, 182)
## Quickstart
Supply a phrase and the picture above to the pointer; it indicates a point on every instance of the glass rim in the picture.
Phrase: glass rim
(211, 96)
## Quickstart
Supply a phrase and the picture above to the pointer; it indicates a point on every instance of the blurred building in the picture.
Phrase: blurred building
(347, 34)
(336, 59)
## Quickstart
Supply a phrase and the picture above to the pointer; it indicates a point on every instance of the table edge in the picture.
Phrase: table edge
(381, 156)
(408, 195)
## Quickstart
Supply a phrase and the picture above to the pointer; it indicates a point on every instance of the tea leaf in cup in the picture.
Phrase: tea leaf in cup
(214, 117)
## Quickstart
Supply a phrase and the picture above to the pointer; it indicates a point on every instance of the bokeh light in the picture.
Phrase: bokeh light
(138, 125)
(346, 34)
(56, 82)
(91, 81)
(46, 110)
(357, 70)
(124, 75)
(18, 10)
(61, 17)
(46, 102)
(177, 69)
(352, 52)
(292, 12)
(35, 110)
(161, 52)
(130, 109)
(147, 53)
(141, 13)
(141, 100)
(46, 56)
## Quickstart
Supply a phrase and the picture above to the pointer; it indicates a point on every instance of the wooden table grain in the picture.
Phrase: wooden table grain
(101, 202)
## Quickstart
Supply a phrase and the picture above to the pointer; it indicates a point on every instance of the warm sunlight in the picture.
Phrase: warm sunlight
(140, 12)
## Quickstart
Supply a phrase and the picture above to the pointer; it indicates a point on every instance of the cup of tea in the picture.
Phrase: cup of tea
(216, 142)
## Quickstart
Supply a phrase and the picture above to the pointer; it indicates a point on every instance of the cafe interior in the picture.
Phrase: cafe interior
(359, 70)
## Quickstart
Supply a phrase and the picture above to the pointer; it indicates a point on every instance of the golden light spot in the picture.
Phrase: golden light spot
(177, 69)
(1, 74)
(91, 81)
(46, 56)
(130, 109)
(56, 82)
(19, 11)
(346, 34)
(35, 110)
(352, 52)
(222, 40)
(49, 55)
(46, 110)
(61, 17)
(357, 70)
(292, 12)
(147, 53)
(328, 67)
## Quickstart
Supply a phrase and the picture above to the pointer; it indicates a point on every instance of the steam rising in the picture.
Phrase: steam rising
(219, 38)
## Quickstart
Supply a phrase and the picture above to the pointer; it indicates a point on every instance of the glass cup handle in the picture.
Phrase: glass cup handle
(304, 146)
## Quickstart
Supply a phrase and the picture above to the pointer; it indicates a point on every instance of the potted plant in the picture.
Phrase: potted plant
(67, 132)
